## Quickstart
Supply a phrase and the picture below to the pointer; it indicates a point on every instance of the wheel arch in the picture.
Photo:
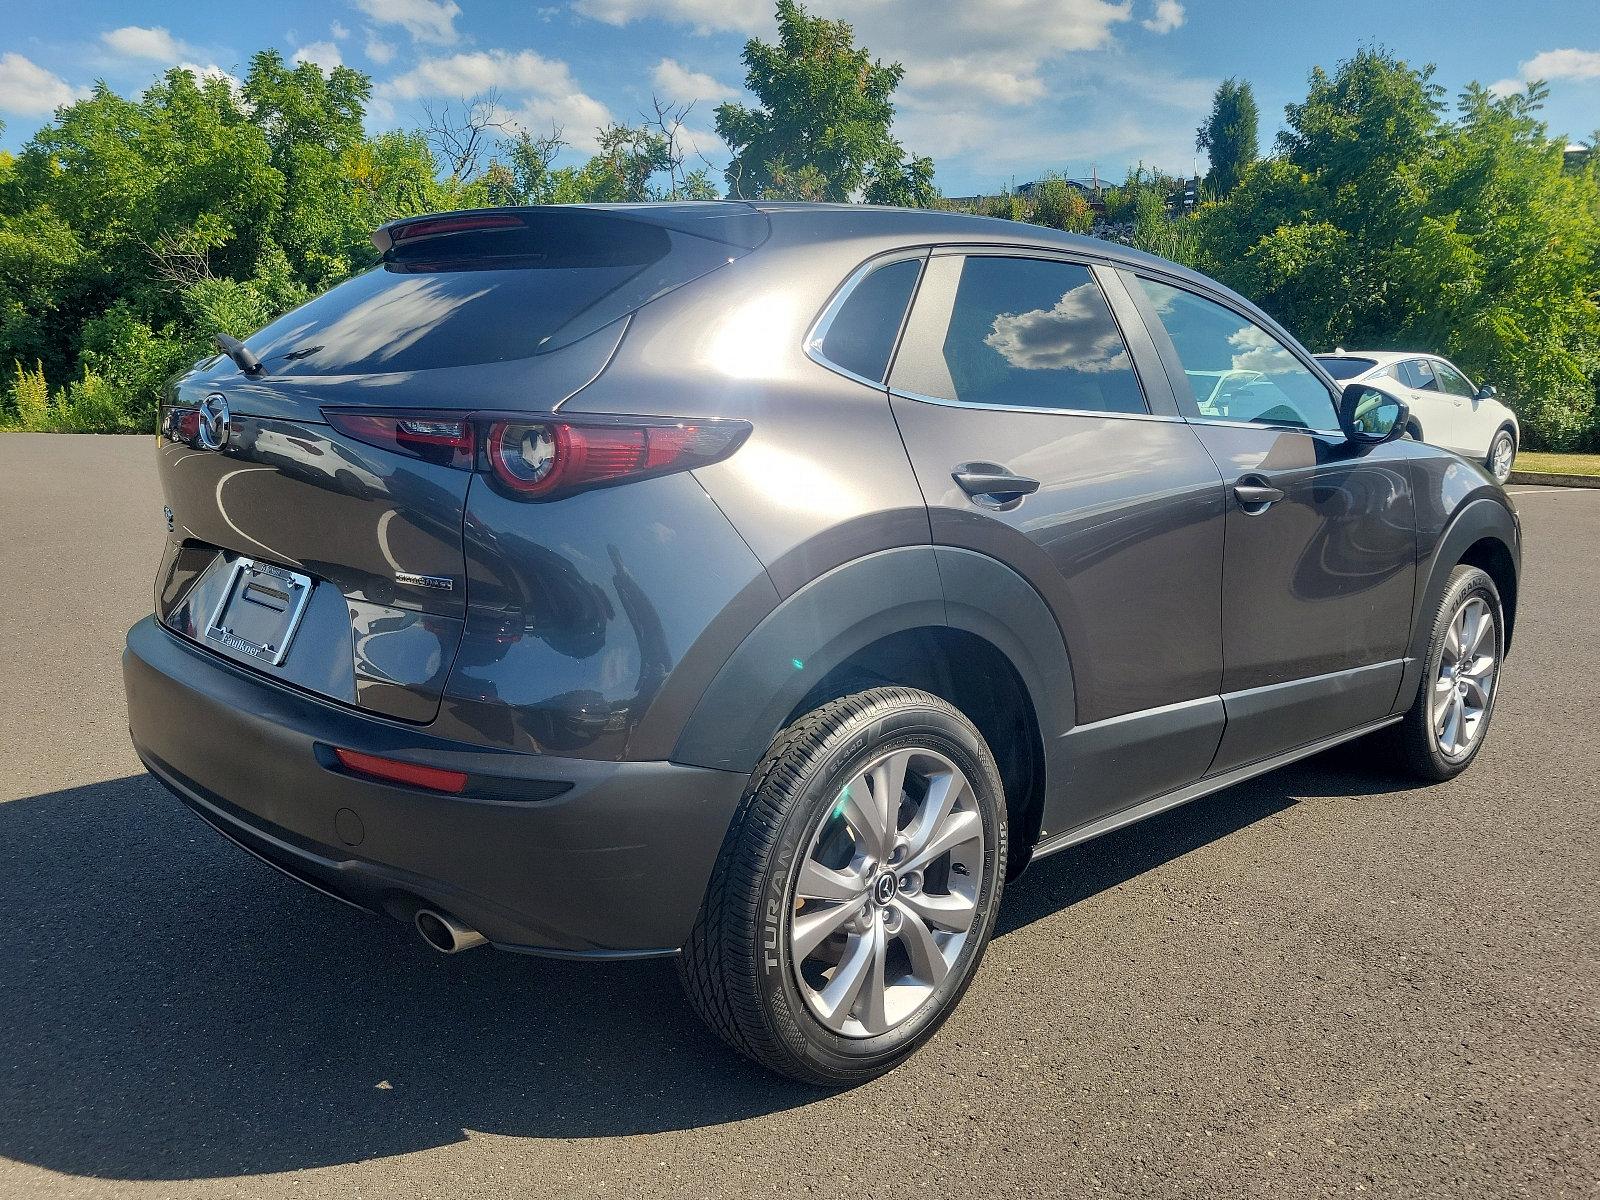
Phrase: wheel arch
(952, 622)
(1484, 534)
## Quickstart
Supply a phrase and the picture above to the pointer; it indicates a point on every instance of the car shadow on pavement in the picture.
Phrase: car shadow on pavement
(171, 1009)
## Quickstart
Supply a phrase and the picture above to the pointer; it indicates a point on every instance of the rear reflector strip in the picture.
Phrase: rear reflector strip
(392, 770)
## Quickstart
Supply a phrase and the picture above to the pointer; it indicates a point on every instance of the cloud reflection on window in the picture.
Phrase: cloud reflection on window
(1073, 334)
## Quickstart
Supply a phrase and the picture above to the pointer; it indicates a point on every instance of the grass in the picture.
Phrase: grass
(1559, 464)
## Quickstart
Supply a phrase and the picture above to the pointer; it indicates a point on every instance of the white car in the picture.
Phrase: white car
(1446, 410)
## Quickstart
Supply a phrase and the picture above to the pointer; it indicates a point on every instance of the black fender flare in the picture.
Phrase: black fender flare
(824, 623)
(1477, 519)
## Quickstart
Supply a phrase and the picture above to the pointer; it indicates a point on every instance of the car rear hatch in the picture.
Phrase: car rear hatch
(335, 564)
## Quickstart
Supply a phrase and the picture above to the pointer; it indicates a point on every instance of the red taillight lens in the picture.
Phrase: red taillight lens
(393, 770)
(545, 458)
(536, 459)
(446, 439)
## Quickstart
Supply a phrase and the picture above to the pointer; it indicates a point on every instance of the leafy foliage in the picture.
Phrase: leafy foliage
(1229, 135)
(822, 129)
(133, 229)
(1382, 224)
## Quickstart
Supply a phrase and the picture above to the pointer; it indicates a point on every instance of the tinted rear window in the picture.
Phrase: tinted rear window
(1346, 368)
(483, 295)
(861, 335)
(1028, 333)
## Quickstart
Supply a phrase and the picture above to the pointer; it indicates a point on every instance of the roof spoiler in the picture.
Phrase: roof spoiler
(734, 222)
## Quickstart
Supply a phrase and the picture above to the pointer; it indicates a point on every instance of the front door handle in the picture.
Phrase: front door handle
(1256, 495)
(987, 479)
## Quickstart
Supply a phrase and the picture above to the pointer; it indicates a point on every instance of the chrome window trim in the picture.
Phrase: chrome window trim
(904, 394)
(817, 334)
(1278, 425)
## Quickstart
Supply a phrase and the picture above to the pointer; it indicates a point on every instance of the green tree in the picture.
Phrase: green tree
(1058, 204)
(1381, 223)
(1229, 136)
(822, 127)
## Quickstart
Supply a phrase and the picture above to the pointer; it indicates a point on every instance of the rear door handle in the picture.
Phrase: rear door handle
(1256, 495)
(986, 479)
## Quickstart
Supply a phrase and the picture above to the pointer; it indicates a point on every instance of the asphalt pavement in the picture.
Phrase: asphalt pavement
(1324, 982)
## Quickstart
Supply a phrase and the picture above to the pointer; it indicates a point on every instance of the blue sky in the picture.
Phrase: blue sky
(994, 91)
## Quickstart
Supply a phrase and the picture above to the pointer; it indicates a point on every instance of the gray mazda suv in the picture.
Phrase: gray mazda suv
(765, 585)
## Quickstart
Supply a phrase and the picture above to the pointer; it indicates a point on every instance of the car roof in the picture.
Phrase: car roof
(817, 219)
(1381, 358)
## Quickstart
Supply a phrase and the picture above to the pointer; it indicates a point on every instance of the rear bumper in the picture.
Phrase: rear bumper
(616, 864)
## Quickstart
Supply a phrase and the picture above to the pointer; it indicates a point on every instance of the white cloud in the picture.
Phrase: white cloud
(212, 71)
(339, 31)
(378, 50)
(430, 21)
(985, 79)
(1073, 333)
(706, 16)
(155, 44)
(324, 54)
(28, 90)
(1551, 65)
(680, 85)
(1563, 64)
(537, 92)
(1168, 16)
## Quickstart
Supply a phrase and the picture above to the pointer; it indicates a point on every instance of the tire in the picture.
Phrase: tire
(1504, 442)
(1418, 739)
(750, 968)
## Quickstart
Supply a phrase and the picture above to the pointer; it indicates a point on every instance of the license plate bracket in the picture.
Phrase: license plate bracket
(260, 610)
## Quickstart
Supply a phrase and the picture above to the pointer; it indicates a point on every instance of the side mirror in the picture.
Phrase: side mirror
(1371, 415)
(1486, 393)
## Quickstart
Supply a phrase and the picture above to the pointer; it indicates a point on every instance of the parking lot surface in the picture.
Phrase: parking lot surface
(1324, 982)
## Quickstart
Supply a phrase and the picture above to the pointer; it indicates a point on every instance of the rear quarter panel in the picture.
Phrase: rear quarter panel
(823, 477)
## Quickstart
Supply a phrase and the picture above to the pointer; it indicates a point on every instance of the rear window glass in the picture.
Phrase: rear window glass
(456, 297)
(861, 334)
(1346, 368)
(1018, 332)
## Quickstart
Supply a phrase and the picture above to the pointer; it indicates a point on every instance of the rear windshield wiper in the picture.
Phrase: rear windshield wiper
(239, 352)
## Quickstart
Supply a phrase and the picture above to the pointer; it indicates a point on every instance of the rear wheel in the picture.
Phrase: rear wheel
(1502, 453)
(856, 891)
(1449, 720)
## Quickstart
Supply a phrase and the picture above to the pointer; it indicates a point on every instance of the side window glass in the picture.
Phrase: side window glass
(1423, 378)
(1020, 332)
(861, 331)
(1452, 380)
(1236, 369)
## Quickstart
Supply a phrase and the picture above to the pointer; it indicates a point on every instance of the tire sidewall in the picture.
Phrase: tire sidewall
(1468, 583)
(817, 1049)
(1502, 434)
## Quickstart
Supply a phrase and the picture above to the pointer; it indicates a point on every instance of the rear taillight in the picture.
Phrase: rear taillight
(446, 440)
(543, 459)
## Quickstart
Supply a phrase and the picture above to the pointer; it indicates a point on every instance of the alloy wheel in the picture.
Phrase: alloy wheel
(885, 897)
(1501, 455)
(1464, 686)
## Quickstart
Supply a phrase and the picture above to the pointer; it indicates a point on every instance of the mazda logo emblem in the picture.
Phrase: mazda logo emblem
(215, 422)
(884, 889)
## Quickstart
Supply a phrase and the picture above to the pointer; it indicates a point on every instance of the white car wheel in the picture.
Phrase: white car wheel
(1502, 453)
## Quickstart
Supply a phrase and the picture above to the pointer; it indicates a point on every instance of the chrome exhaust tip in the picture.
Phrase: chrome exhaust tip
(446, 934)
